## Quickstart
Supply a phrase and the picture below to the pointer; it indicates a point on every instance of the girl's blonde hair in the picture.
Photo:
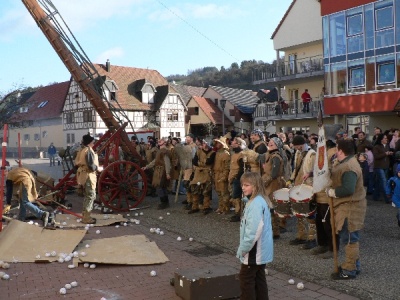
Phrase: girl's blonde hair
(255, 180)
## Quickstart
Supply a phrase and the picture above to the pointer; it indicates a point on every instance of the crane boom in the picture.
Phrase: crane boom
(80, 67)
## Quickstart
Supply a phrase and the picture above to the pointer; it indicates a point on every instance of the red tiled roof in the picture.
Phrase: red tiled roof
(129, 81)
(55, 96)
(211, 110)
(283, 19)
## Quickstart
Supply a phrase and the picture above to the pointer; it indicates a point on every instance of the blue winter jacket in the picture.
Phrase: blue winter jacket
(256, 243)
(393, 188)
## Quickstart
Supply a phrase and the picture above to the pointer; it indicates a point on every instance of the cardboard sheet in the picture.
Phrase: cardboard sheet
(69, 221)
(22, 242)
(123, 250)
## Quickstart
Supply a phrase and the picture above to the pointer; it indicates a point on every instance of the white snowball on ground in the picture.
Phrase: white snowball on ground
(161, 232)
(91, 225)
(67, 258)
(125, 224)
(103, 298)
(116, 226)
(152, 230)
(141, 213)
(36, 224)
(53, 253)
(6, 277)
(300, 286)
(153, 273)
(86, 265)
(61, 227)
(74, 284)
(179, 239)
(64, 223)
(63, 291)
(5, 265)
(47, 254)
(168, 213)
(83, 254)
(266, 272)
(160, 217)
(92, 266)
(191, 239)
(71, 266)
(291, 281)
(87, 246)
(75, 254)
(128, 215)
(2, 274)
(98, 231)
(68, 286)
(38, 256)
(60, 260)
(30, 222)
(137, 222)
(136, 214)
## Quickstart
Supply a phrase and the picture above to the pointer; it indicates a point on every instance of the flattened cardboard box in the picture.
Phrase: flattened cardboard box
(215, 282)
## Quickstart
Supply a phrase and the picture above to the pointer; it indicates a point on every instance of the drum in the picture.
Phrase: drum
(283, 206)
(303, 201)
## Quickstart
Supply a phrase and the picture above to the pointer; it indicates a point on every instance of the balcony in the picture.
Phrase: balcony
(289, 111)
(293, 70)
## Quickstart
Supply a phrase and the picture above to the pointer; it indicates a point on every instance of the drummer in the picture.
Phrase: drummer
(303, 174)
(273, 175)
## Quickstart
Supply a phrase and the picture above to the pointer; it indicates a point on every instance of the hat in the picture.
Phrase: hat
(241, 143)
(222, 141)
(258, 132)
(298, 140)
(87, 139)
(278, 142)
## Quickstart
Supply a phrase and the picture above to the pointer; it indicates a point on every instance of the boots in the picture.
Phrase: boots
(87, 219)
(164, 203)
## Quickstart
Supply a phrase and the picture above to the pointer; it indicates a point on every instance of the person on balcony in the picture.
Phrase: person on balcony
(306, 99)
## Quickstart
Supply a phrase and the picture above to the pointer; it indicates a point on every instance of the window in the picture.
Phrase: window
(337, 35)
(354, 25)
(87, 116)
(175, 117)
(70, 138)
(69, 118)
(384, 18)
(177, 134)
(356, 76)
(23, 109)
(196, 111)
(148, 97)
(169, 116)
(36, 136)
(173, 99)
(42, 104)
(386, 73)
(27, 137)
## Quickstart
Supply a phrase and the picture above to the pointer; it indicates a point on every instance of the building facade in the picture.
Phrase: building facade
(361, 42)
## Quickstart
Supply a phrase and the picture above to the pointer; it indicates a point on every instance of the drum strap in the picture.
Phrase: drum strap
(303, 154)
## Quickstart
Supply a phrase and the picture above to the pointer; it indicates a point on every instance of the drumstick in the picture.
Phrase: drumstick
(301, 185)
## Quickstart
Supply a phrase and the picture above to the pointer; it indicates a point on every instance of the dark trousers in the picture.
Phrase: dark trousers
(324, 228)
(306, 107)
(253, 284)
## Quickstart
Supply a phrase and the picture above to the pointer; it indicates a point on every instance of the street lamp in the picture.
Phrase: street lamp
(241, 125)
(223, 103)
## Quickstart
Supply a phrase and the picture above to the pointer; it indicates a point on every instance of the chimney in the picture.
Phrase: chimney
(108, 66)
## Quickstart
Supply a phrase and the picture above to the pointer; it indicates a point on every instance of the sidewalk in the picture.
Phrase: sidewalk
(41, 281)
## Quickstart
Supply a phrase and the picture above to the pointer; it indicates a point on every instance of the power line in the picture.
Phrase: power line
(195, 29)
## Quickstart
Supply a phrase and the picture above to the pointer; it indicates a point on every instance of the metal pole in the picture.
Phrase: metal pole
(223, 121)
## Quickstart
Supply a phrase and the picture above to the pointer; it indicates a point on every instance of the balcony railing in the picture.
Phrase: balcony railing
(304, 66)
(286, 110)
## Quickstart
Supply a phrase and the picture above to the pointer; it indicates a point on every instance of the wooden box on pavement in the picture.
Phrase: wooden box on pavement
(216, 282)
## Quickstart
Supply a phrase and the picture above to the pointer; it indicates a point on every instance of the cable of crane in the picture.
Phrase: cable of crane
(195, 29)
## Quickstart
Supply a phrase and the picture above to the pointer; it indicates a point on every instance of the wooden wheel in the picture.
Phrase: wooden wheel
(122, 185)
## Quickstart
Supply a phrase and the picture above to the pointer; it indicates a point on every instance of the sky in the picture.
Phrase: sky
(170, 36)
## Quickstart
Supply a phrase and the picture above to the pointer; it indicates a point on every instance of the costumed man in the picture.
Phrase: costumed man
(176, 167)
(23, 179)
(150, 154)
(273, 176)
(87, 163)
(349, 206)
(162, 171)
(221, 173)
(201, 185)
(323, 216)
(235, 172)
(303, 174)
(259, 146)
(188, 153)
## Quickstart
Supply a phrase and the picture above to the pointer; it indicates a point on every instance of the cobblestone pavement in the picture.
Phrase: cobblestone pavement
(215, 243)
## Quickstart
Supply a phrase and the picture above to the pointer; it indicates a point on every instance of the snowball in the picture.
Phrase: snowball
(74, 284)
(86, 265)
(161, 232)
(53, 253)
(300, 286)
(92, 266)
(168, 213)
(160, 217)
(63, 291)
(68, 286)
(141, 213)
(97, 231)
(190, 239)
(71, 266)
(179, 239)
(291, 281)
(83, 254)
(152, 230)
(87, 246)
(153, 273)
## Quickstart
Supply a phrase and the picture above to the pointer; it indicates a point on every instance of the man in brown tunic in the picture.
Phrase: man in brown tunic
(349, 206)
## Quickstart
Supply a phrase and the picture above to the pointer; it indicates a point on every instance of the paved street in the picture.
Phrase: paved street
(215, 243)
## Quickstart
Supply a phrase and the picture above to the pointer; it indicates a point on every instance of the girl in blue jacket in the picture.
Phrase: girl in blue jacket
(256, 244)
(393, 191)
